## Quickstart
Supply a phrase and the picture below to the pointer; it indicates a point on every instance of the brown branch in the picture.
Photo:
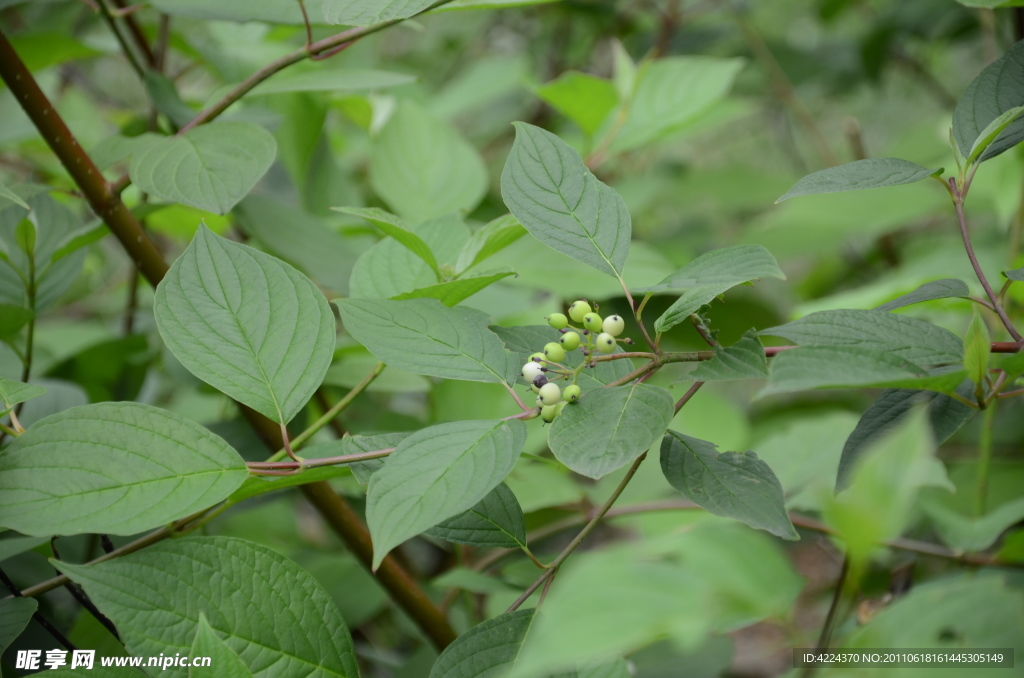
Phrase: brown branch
(138, 36)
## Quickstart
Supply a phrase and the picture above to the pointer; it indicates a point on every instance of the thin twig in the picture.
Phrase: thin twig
(125, 47)
(830, 619)
(689, 394)
(37, 615)
(83, 600)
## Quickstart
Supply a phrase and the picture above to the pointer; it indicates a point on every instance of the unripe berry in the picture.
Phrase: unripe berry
(531, 371)
(605, 343)
(536, 357)
(570, 341)
(578, 309)
(548, 413)
(592, 322)
(613, 325)
(557, 320)
(554, 352)
(550, 394)
(571, 393)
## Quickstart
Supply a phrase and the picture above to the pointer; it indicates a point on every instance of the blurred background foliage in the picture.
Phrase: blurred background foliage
(731, 103)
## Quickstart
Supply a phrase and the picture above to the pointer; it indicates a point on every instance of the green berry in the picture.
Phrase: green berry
(613, 325)
(550, 394)
(592, 322)
(554, 352)
(605, 343)
(578, 309)
(570, 341)
(557, 320)
(571, 393)
(534, 357)
(548, 413)
(531, 371)
(536, 389)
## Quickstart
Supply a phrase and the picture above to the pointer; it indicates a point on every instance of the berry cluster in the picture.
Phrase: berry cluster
(544, 368)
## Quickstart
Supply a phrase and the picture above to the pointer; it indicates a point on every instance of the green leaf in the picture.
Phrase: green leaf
(363, 470)
(423, 168)
(270, 11)
(395, 227)
(730, 484)
(264, 607)
(710, 275)
(118, 148)
(211, 167)
(352, 366)
(115, 468)
(15, 614)
(585, 99)
(555, 197)
(8, 194)
(80, 238)
(246, 323)
(743, 360)
(1016, 275)
(12, 546)
(207, 644)
(435, 474)
(936, 289)
(992, 131)
(671, 92)
(14, 392)
(878, 504)
(388, 269)
(25, 237)
(487, 649)
(997, 89)
(977, 349)
(946, 416)
(330, 80)
(452, 292)
(838, 367)
(12, 319)
(424, 337)
(299, 238)
(165, 97)
(369, 12)
(902, 336)
(610, 427)
(969, 533)
(496, 521)
(489, 240)
(859, 175)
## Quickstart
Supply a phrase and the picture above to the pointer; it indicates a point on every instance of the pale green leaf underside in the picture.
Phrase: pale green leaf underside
(992, 132)
(610, 427)
(115, 468)
(497, 521)
(369, 12)
(1016, 274)
(246, 323)
(860, 175)
(395, 227)
(14, 392)
(743, 360)
(8, 194)
(487, 649)
(437, 473)
(424, 337)
(730, 484)
(971, 533)
(555, 197)
(902, 336)
(489, 240)
(264, 607)
(936, 289)
(211, 167)
(207, 644)
(996, 90)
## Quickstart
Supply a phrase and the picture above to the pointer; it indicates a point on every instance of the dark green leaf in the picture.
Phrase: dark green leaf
(207, 644)
(902, 336)
(424, 337)
(610, 427)
(116, 468)
(859, 175)
(555, 197)
(743, 360)
(452, 292)
(496, 521)
(487, 649)
(730, 484)
(12, 319)
(977, 349)
(211, 167)
(165, 97)
(937, 289)
(998, 89)
(437, 473)
(836, 367)
(265, 608)
(1016, 275)
(15, 614)
(246, 323)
